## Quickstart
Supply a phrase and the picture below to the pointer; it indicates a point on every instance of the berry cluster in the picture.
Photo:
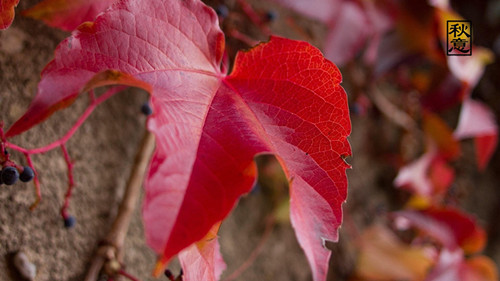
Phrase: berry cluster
(10, 174)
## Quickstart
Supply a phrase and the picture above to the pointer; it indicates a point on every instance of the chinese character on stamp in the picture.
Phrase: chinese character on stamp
(459, 38)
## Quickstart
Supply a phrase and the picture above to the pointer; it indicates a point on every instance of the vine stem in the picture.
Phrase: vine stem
(254, 17)
(93, 104)
(109, 254)
(255, 253)
(71, 182)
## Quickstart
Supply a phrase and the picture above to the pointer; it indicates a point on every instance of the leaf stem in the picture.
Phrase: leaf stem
(94, 103)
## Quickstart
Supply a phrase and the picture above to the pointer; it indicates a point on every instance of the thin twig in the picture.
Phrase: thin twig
(71, 182)
(254, 17)
(94, 103)
(111, 251)
(36, 182)
(128, 275)
(392, 112)
(243, 37)
(255, 253)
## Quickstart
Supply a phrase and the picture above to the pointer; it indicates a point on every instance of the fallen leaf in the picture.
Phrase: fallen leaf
(282, 97)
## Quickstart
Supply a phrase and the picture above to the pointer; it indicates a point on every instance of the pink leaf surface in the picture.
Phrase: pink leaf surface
(283, 97)
(347, 33)
(351, 26)
(415, 175)
(477, 121)
(202, 260)
(322, 10)
(470, 69)
(7, 12)
(67, 14)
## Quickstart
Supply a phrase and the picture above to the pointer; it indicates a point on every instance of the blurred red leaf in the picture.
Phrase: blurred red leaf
(470, 69)
(477, 121)
(322, 10)
(7, 12)
(450, 227)
(67, 14)
(452, 265)
(480, 268)
(415, 175)
(351, 26)
(282, 97)
(442, 135)
(441, 175)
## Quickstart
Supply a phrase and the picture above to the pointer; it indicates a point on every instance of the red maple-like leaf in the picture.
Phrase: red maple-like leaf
(7, 12)
(282, 97)
(67, 14)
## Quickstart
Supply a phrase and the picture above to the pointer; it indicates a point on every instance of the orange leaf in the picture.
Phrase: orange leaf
(384, 257)
(442, 135)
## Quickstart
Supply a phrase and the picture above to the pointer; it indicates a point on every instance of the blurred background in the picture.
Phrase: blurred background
(423, 200)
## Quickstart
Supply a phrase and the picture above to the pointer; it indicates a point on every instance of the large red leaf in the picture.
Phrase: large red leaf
(67, 14)
(282, 97)
(7, 12)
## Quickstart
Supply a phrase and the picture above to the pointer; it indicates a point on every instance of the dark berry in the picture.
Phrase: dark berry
(1, 181)
(222, 11)
(9, 175)
(69, 221)
(27, 174)
(169, 274)
(146, 109)
(271, 15)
